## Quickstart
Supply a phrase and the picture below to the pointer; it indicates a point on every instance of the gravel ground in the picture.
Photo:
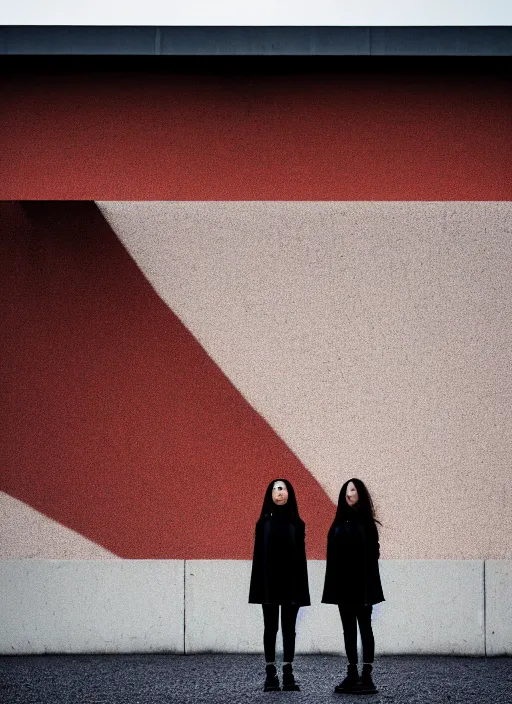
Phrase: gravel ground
(228, 678)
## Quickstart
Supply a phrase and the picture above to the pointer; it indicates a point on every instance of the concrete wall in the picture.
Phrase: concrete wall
(452, 607)
(498, 611)
(91, 606)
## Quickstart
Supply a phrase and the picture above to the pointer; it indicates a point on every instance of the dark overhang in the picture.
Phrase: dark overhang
(256, 41)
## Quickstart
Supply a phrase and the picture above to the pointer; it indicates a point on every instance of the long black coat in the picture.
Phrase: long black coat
(279, 567)
(352, 570)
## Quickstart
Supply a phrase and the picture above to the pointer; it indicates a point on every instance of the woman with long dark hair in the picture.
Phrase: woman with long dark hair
(279, 578)
(352, 579)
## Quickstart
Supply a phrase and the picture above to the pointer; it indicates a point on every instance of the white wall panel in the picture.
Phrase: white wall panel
(432, 606)
(218, 616)
(498, 603)
(91, 606)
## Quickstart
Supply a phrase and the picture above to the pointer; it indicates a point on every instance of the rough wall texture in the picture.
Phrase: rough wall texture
(317, 341)
(117, 423)
(268, 133)
(376, 338)
(335, 336)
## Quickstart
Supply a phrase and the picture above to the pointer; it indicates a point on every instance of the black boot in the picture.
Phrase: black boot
(367, 686)
(272, 680)
(350, 683)
(289, 684)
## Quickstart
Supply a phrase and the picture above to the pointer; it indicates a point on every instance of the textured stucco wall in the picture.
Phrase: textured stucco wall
(372, 336)
(285, 130)
(118, 426)
(375, 337)
(27, 533)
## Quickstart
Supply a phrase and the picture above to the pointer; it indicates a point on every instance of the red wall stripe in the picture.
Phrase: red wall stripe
(196, 136)
(115, 421)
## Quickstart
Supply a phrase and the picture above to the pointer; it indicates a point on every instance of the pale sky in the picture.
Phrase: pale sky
(258, 12)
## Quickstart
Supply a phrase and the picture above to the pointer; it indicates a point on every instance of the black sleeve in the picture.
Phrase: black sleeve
(373, 540)
(331, 547)
(258, 542)
(256, 587)
(302, 537)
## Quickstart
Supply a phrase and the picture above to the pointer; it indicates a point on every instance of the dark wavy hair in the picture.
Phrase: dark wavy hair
(364, 506)
(290, 508)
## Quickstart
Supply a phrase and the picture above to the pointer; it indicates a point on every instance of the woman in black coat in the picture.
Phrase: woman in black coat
(279, 576)
(352, 579)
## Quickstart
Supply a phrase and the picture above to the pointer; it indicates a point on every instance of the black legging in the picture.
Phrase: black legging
(271, 620)
(350, 617)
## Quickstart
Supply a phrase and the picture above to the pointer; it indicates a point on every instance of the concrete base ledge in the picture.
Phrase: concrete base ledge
(443, 607)
(91, 606)
(498, 611)
(431, 607)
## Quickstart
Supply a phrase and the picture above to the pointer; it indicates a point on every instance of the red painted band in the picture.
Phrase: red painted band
(301, 136)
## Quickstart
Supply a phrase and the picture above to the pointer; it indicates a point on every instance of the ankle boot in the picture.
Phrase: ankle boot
(350, 682)
(289, 684)
(272, 680)
(367, 686)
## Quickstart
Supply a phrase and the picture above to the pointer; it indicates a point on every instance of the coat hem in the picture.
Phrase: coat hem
(281, 603)
(352, 603)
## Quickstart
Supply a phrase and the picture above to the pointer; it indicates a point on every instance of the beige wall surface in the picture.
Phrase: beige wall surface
(28, 533)
(374, 337)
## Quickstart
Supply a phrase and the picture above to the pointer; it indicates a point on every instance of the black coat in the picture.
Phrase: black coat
(279, 567)
(352, 570)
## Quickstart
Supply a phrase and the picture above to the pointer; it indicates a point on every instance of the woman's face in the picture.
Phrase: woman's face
(351, 496)
(280, 493)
